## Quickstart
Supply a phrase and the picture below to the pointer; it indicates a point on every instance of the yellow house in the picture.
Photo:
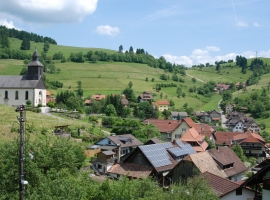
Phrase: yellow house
(162, 105)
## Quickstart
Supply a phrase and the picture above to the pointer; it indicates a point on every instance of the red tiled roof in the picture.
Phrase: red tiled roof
(49, 99)
(191, 123)
(87, 101)
(98, 97)
(163, 102)
(191, 135)
(131, 170)
(226, 137)
(164, 126)
(48, 93)
(225, 156)
(124, 101)
(220, 186)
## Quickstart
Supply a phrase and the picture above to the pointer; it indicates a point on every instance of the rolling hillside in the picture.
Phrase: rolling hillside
(113, 77)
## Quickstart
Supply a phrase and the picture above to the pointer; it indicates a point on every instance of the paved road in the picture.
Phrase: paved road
(223, 118)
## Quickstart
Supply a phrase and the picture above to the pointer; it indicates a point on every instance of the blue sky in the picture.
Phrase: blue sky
(183, 31)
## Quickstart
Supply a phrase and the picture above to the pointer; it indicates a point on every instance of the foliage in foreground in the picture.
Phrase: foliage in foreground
(53, 173)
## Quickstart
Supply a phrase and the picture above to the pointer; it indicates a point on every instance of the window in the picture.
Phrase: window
(110, 142)
(238, 191)
(183, 129)
(16, 95)
(99, 166)
(26, 95)
(177, 136)
(6, 94)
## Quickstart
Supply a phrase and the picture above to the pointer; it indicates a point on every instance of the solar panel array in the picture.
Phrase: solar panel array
(157, 154)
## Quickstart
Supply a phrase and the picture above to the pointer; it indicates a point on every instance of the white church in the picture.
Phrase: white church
(16, 90)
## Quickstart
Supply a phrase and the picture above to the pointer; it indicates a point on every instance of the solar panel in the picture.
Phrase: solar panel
(157, 154)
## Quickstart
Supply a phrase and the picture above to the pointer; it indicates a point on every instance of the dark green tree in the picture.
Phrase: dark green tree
(120, 50)
(46, 46)
(80, 90)
(239, 152)
(25, 44)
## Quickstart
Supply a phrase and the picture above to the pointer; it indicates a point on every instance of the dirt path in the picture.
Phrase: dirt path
(196, 78)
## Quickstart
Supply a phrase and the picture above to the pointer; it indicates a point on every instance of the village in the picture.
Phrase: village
(216, 144)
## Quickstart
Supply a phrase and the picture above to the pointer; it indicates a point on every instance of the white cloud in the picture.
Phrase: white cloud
(202, 56)
(256, 24)
(184, 60)
(212, 48)
(107, 30)
(242, 24)
(7, 24)
(47, 11)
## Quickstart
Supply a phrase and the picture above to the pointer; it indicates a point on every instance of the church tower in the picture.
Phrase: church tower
(35, 68)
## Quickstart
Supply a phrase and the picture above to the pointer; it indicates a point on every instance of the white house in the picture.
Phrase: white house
(226, 189)
(16, 90)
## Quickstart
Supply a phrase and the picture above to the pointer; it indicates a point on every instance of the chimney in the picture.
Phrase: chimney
(118, 152)
(174, 142)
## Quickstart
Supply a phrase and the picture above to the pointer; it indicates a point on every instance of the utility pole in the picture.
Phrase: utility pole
(21, 119)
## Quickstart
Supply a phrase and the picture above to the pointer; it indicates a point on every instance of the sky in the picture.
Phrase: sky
(188, 32)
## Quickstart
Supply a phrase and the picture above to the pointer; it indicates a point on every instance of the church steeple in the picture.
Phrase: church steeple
(35, 68)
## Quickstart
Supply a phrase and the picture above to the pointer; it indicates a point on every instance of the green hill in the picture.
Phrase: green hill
(113, 77)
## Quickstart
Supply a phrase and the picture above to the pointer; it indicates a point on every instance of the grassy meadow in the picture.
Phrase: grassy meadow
(10, 124)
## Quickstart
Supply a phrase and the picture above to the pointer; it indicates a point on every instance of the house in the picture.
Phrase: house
(206, 131)
(98, 97)
(49, 97)
(229, 108)
(168, 128)
(238, 122)
(162, 105)
(154, 140)
(195, 164)
(226, 189)
(215, 115)
(229, 162)
(252, 143)
(162, 157)
(208, 117)
(145, 96)
(16, 90)
(104, 161)
(178, 115)
(261, 182)
(196, 140)
(188, 123)
(124, 102)
(88, 102)
(123, 143)
(222, 87)
(130, 170)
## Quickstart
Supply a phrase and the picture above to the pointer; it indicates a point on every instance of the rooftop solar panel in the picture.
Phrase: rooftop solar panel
(157, 154)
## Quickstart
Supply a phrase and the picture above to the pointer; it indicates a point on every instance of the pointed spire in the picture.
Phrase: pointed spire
(35, 56)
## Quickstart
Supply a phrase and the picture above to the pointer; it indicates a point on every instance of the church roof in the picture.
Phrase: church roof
(35, 62)
(17, 82)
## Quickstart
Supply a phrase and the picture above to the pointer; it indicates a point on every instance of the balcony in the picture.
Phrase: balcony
(105, 161)
(251, 147)
(255, 154)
